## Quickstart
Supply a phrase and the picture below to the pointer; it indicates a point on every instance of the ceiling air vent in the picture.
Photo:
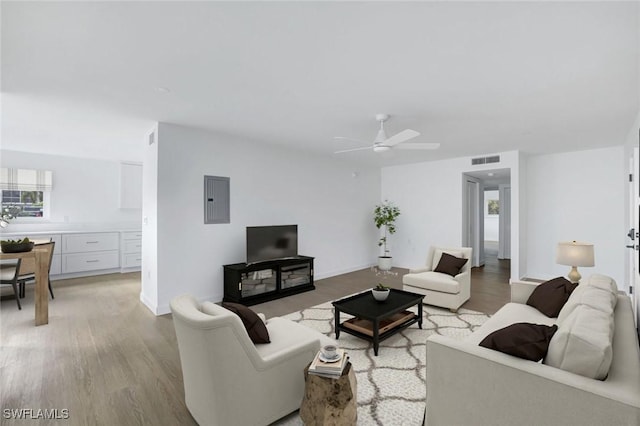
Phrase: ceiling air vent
(485, 160)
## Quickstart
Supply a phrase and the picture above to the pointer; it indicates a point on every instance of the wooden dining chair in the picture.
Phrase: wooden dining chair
(9, 276)
(28, 271)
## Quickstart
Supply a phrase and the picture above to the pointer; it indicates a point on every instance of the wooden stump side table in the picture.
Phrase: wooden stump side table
(330, 402)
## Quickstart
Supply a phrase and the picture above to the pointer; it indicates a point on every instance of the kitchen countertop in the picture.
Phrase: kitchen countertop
(83, 231)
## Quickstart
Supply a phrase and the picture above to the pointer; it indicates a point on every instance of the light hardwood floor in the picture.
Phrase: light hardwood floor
(109, 361)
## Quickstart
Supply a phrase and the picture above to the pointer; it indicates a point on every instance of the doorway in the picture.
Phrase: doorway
(487, 216)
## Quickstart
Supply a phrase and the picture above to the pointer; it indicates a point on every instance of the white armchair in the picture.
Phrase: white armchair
(441, 289)
(229, 380)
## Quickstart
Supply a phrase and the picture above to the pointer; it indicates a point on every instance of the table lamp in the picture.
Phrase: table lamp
(574, 254)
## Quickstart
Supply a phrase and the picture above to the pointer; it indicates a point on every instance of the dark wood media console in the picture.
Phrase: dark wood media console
(264, 281)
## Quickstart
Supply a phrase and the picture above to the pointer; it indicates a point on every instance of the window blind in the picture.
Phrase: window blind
(25, 179)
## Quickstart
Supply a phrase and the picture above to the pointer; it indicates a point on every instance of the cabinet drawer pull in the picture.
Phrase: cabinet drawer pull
(92, 261)
(92, 242)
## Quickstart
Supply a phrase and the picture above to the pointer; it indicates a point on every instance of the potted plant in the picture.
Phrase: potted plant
(380, 292)
(385, 215)
(16, 246)
(7, 214)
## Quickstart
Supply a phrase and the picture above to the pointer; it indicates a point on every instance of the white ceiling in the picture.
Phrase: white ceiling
(81, 78)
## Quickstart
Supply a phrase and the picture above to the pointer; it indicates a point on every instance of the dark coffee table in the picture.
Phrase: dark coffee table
(375, 321)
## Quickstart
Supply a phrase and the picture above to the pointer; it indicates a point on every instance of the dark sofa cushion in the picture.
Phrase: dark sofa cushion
(549, 297)
(256, 329)
(450, 265)
(524, 340)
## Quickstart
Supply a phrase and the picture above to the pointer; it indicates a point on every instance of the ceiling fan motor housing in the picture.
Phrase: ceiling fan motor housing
(381, 148)
(382, 135)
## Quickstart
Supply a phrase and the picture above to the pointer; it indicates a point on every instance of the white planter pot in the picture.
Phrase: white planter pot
(384, 263)
(380, 295)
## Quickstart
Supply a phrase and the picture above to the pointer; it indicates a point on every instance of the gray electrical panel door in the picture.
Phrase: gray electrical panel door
(216, 200)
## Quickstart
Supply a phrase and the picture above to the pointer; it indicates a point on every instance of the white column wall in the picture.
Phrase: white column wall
(149, 288)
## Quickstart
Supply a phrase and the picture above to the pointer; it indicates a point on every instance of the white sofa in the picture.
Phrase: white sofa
(441, 289)
(471, 385)
(229, 380)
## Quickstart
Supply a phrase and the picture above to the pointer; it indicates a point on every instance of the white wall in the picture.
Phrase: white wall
(269, 186)
(429, 196)
(577, 196)
(491, 222)
(86, 192)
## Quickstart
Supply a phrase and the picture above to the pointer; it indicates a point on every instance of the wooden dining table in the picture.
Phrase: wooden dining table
(42, 277)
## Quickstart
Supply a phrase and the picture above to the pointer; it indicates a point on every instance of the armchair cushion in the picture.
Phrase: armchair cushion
(436, 281)
(524, 340)
(450, 265)
(254, 325)
(286, 336)
(549, 297)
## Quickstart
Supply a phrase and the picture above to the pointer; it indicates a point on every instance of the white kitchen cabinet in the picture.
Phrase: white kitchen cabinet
(92, 261)
(56, 265)
(98, 241)
(131, 250)
(93, 251)
(78, 254)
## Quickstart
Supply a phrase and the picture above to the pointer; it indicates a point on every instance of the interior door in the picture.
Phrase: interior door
(473, 233)
(504, 229)
(634, 232)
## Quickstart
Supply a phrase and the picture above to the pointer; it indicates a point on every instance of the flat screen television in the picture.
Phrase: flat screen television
(271, 242)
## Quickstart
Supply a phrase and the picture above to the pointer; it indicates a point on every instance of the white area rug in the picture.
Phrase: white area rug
(391, 386)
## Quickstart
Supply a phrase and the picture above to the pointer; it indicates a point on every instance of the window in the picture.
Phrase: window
(25, 193)
(23, 203)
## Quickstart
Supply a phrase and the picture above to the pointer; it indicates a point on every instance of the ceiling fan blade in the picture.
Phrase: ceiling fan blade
(418, 146)
(344, 138)
(404, 135)
(353, 149)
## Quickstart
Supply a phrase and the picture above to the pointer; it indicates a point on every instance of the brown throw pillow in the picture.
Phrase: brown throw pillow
(256, 329)
(549, 297)
(450, 264)
(524, 340)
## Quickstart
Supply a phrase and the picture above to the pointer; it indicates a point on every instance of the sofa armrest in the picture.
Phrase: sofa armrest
(418, 270)
(469, 384)
(521, 290)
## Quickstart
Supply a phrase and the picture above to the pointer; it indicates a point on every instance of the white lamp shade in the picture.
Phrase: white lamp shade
(574, 253)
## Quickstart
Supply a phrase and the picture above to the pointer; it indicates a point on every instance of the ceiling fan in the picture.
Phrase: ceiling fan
(383, 143)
